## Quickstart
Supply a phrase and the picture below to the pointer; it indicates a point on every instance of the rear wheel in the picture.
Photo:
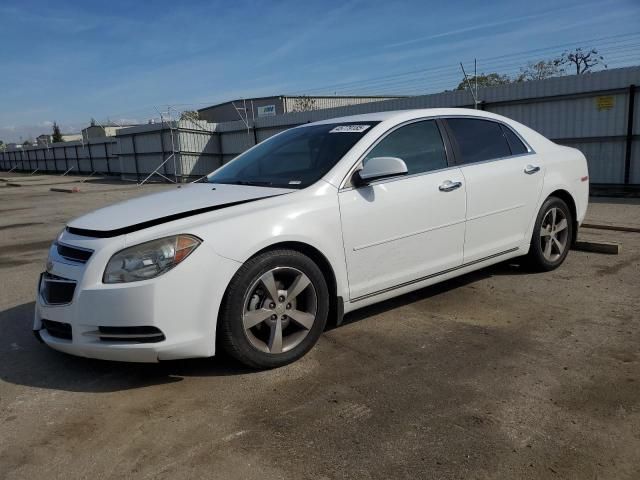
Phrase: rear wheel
(552, 235)
(275, 309)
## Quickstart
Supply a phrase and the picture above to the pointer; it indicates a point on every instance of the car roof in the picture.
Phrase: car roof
(402, 115)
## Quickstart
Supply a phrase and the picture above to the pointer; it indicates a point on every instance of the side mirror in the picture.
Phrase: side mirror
(377, 168)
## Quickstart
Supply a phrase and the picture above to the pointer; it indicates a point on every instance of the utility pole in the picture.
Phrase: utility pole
(473, 93)
(475, 76)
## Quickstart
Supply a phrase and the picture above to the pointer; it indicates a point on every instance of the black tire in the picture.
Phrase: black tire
(536, 258)
(231, 335)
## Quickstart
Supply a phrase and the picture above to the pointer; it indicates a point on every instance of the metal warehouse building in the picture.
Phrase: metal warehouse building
(252, 108)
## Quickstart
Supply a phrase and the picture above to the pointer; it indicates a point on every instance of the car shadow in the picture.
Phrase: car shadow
(509, 268)
(25, 361)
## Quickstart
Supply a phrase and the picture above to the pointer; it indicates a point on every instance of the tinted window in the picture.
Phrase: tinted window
(294, 159)
(516, 145)
(419, 144)
(479, 140)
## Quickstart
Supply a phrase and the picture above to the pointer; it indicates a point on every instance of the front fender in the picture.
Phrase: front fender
(311, 218)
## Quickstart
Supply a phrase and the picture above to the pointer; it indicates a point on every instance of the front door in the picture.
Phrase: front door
(399, 230)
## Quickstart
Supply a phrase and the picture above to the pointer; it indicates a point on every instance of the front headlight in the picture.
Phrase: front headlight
(150, 259)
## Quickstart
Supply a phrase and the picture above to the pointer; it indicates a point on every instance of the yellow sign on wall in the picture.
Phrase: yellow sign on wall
(605, 103)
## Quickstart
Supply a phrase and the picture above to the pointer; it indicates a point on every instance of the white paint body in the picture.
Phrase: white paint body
(383, 240)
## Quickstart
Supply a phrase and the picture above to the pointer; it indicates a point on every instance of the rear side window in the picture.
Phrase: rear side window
(419, 144)
(516, 145)
(479, 140)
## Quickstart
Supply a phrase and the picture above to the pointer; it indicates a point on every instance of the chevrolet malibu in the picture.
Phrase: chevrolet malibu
(314, 222)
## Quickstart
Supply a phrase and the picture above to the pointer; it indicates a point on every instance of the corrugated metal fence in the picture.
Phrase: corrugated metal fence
(593, 112)
(95, 155)
(180, 150)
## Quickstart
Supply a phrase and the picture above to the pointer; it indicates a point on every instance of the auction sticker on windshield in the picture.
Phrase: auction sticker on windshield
(349, 129)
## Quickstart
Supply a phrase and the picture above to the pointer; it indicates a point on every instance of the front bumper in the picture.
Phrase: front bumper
(182, 304)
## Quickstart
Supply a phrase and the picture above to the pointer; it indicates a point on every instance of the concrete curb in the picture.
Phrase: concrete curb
(617, 228)
(597, 247)
(65, 190)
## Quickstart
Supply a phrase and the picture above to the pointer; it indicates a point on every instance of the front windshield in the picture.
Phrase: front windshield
(296, 158)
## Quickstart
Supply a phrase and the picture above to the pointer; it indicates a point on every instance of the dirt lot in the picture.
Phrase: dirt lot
(498, 374)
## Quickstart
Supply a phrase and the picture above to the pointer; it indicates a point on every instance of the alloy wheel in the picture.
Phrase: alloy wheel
(279, 310)
(554, 234)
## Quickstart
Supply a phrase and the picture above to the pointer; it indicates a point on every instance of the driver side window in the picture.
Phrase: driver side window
(419, 144)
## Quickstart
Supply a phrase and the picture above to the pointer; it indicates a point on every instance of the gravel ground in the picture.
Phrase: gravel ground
(498, 374)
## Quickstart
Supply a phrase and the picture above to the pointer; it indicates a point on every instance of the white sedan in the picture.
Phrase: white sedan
(314, 222)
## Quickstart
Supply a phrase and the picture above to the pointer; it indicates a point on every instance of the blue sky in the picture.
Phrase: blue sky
(123, 60)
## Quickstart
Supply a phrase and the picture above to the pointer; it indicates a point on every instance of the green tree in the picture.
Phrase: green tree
(583, 61)
(27, 143)
(2, 145)
(190, 115)
(541, 70)
(484, 80)
(57, 135)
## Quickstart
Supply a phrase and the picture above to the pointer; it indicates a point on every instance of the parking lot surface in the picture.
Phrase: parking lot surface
(498, 374)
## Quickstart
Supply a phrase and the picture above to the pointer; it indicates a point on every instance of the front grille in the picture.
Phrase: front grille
(130, 334)
(57, 329)
(56, 290)
(74, 254)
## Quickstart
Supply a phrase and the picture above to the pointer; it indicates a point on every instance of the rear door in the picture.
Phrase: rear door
(504, 180)
(401, 229)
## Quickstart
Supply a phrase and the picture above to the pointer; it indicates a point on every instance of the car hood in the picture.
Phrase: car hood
(162, 207)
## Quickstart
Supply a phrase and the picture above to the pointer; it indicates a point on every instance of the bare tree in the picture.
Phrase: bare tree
(541, 70)
(304, 104)
(583, 60)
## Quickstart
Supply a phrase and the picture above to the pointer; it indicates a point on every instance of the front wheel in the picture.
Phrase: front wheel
(275, 309)
(552, 235)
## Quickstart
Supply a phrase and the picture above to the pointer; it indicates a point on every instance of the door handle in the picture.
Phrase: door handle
(449, 186)
(531, 169)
